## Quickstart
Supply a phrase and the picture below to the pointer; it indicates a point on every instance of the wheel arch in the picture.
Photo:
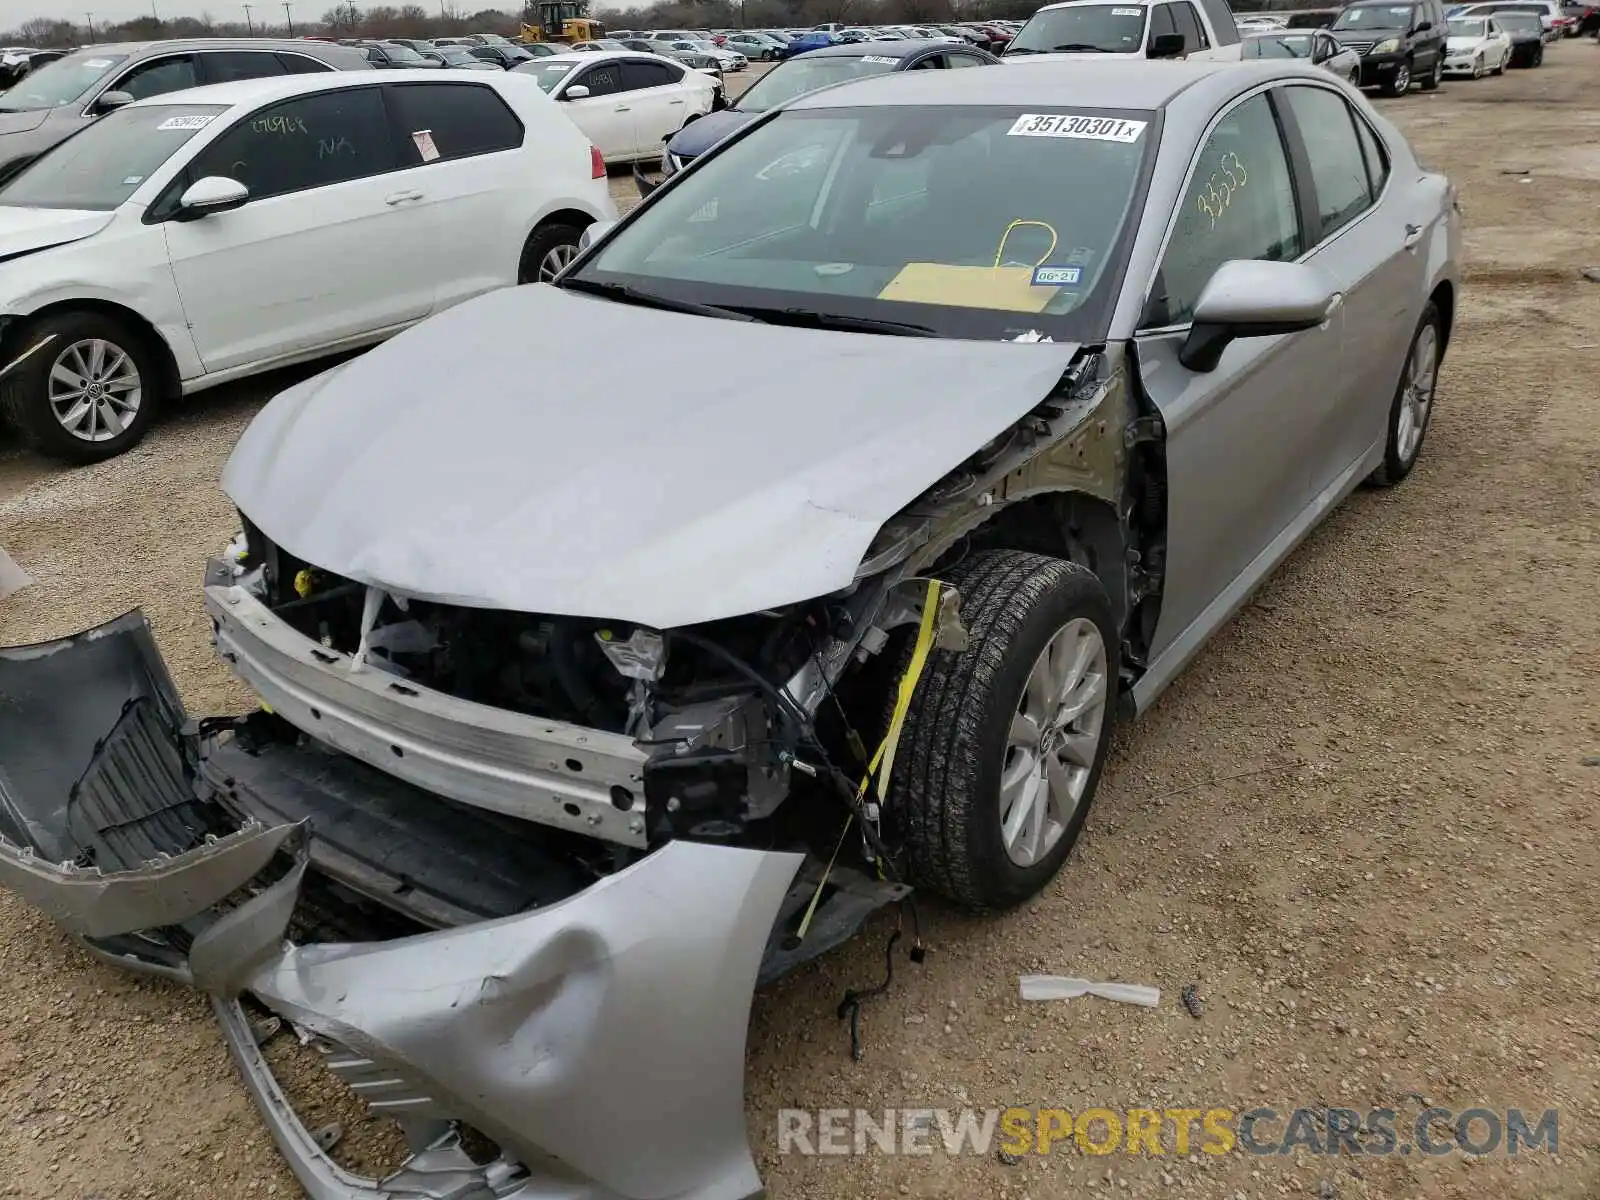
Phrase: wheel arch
(171, 379)
(1444, 299)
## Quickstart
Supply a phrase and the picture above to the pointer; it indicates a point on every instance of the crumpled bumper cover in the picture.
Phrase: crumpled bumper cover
(598, 1041)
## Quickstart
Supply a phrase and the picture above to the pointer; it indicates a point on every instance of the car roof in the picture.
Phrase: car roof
(1090, 83)
(249, 92)
(1076, 3)
(171, 44)
(899, 49)
(593, 56)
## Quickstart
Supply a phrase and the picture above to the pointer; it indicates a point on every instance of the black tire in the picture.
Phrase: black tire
(1400, 83)
(1431, 82)
(25, 396)
(1397, 462)
(545, 241)
(944, 791)
(1538, 56)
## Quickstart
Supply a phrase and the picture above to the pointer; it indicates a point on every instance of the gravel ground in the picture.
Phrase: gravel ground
(1362, 823)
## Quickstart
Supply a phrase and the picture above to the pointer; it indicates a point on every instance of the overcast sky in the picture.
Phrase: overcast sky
(15, 12)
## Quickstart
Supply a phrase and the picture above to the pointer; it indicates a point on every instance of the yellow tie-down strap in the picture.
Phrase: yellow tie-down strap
(883, 758)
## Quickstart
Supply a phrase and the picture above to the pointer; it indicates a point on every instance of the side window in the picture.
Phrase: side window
(1239, 204)
(1372, 151)
(1161, 21)
(639, 75)
(374, 55)
(451, 120)
(934, 62)
(158, 77)
(299, 64)
(1338, 168)
(963, 60)
(602, 80)
(1194, 37)
(227, 65)
(309, 142)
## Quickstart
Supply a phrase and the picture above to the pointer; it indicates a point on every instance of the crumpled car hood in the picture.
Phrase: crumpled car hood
(647, 466)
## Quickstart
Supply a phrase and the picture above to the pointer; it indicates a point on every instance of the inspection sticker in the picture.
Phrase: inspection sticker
(199, 121)
(1044, 276)
(879, 58)
(1065, 125)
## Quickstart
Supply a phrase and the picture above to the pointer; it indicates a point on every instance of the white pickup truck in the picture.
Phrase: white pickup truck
(1164, 29)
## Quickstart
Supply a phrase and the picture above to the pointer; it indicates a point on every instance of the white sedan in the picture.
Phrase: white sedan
(626, 103)
(1475, 46)
(205, 235)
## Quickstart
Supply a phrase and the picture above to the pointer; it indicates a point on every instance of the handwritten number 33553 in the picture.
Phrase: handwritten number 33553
(1218, 191)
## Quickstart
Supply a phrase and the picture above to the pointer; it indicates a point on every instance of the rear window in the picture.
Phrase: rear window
(453, 120)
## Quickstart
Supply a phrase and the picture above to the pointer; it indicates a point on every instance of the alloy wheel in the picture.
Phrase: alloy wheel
(555, 261)
(94, 389)
(1422, 375)
(1054, 737)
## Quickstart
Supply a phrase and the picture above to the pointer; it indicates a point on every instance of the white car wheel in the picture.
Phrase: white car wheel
(1477, 67)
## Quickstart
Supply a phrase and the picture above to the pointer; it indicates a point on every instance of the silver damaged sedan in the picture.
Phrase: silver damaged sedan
(591, 701)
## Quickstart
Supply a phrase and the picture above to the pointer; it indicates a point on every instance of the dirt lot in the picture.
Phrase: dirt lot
(1363, 823)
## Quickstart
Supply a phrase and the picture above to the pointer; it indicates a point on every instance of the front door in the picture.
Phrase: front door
(323, 251)
(1241, 440)
(604, 114)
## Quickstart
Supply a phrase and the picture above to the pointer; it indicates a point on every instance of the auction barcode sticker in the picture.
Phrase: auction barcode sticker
(879, 58)
(1065, 125)
(197, 121)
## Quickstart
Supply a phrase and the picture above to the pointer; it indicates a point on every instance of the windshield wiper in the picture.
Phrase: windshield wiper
(1077, 46)
(821, 320)
(632, 295)
(1020, 50)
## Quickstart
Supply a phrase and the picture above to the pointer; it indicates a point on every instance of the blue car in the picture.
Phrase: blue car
(828, 65)
(815, 40)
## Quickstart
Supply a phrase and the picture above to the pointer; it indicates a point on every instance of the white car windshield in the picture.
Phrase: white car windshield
(1467, 29)
(1374, 16)
(63, 81)
(546, 73)
(895, 214)
(100, 166)
(1084, 28)
(807, 74)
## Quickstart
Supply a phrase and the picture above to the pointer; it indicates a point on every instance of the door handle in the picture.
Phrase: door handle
(622, 108)
(678, 101)
(402, 198)
(1413, 236)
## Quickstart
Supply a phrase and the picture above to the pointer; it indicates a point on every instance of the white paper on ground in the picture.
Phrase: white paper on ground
(1061, 987)
(12, 577)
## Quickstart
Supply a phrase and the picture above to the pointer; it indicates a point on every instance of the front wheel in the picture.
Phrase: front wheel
(1430, 81)
(1400, 84)
(1004, 741)
(1477, 67)
(1413, 401)
(89, 394)
(548, 252)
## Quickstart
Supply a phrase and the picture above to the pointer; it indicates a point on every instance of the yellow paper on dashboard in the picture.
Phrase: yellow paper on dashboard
(1005, 289)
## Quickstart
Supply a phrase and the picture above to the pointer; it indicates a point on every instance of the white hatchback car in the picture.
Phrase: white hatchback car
(205, 235)
(628, 103)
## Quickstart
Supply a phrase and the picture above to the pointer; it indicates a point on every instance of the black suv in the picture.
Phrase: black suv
(51, 103)
(1399, 43)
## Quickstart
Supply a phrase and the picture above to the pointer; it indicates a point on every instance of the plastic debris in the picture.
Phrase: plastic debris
(1592, 274)
(327, 1137)
(12, 577)
(1060, 987)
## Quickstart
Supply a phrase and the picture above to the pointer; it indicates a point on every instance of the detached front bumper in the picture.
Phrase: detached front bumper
(597, 1041)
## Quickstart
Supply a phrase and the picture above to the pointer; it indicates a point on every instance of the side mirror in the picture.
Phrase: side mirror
(111, 101)
(595, 232)
(1251, 298)
(576, 92)
(1424, 27)
(213, 194)
(1165, 45)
